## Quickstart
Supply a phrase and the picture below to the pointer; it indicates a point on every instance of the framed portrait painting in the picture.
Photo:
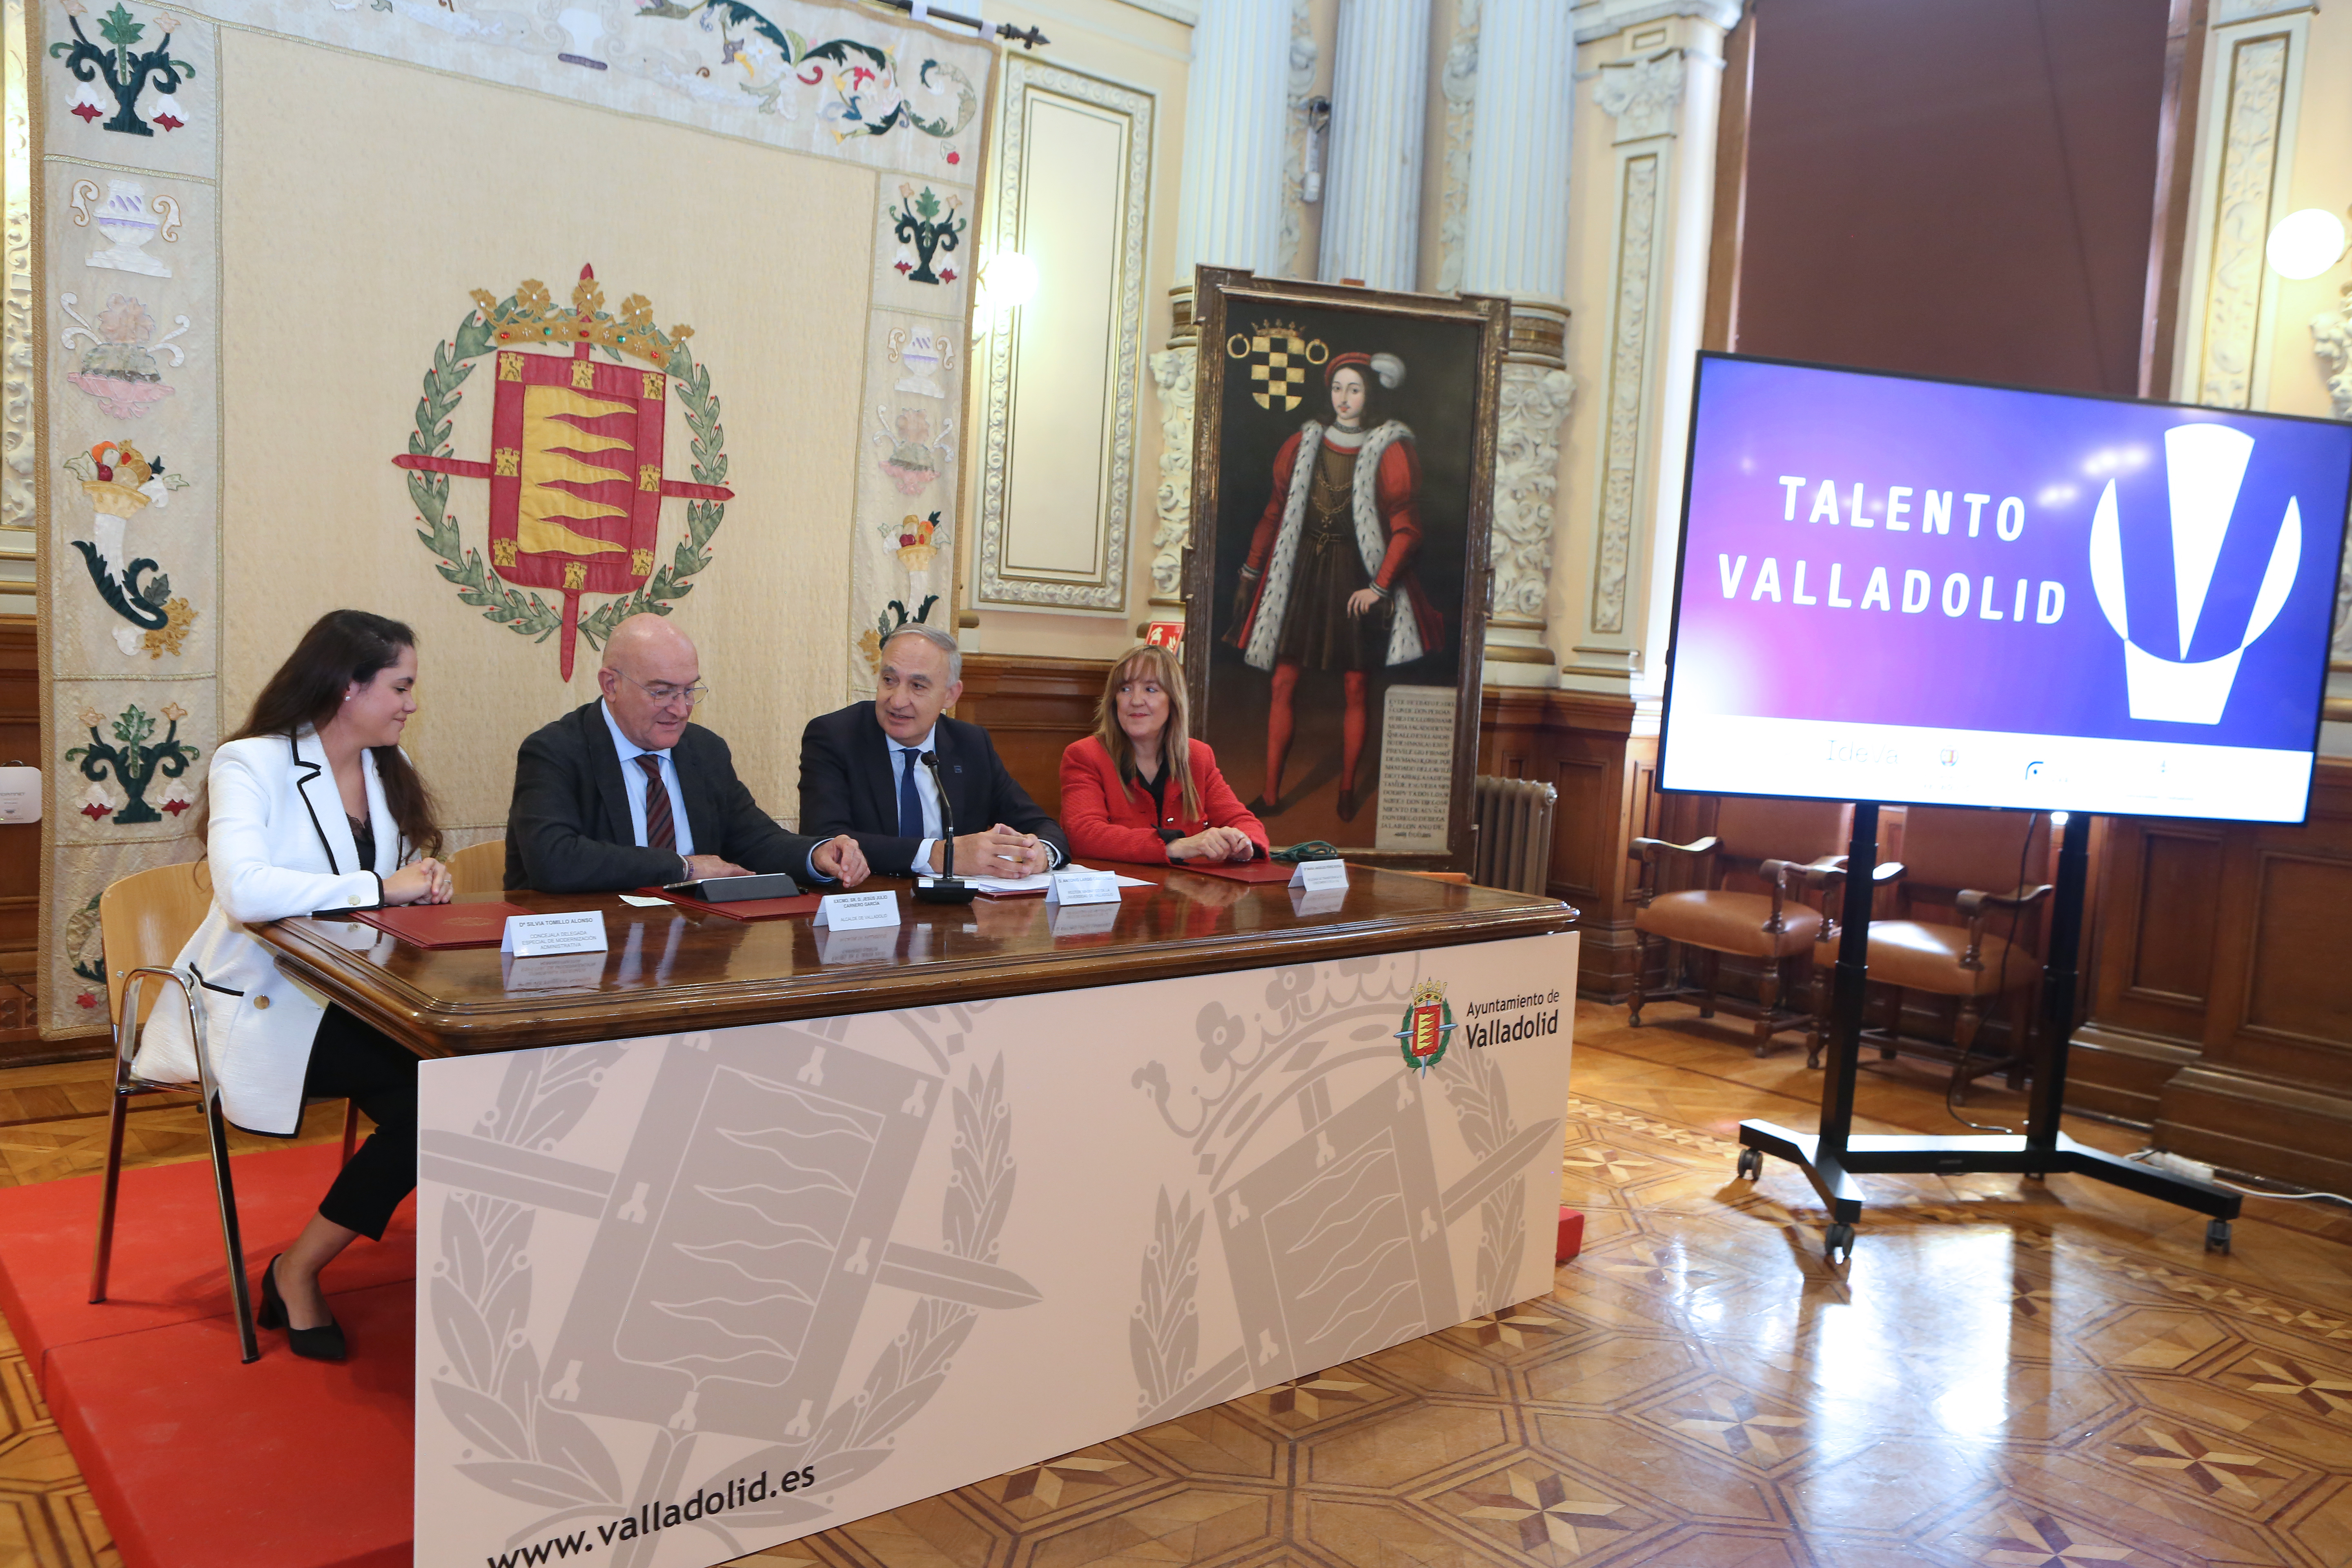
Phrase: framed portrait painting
(1335, 588)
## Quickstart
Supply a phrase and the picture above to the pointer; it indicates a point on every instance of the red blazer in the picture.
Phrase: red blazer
(1112, 820)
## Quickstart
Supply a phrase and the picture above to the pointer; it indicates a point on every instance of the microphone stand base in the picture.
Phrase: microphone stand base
(945, 890)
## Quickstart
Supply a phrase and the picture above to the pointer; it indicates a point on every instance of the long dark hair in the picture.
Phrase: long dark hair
(342, 646)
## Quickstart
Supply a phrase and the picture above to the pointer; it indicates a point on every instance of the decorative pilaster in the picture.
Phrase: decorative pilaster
(1230, 211)
(17, 357)
(1173, 370)
(1515, 242)
(2256, 52)
(1655, 70)
(2331, 336)
(1459, 83)
(1304, 53)
(1380, 95)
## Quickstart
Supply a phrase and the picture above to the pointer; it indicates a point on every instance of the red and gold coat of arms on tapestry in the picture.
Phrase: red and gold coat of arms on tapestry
(576, 468)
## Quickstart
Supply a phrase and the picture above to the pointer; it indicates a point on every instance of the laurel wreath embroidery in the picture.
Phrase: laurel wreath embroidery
(526, 1448)
(477, 582)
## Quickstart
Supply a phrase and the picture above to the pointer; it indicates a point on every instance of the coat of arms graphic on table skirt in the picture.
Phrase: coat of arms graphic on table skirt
(576, 462)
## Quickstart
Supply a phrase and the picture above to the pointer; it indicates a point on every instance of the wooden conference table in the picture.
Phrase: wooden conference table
(738, 1231)
(457, 1001)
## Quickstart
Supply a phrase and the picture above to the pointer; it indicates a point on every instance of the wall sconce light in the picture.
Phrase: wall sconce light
(1006, 282)
(1319, 125)
(2306, 244)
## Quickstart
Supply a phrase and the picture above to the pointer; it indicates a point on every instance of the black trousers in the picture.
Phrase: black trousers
(350, 1060)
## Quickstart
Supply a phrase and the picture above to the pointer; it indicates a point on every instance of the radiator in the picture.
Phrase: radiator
(1514, 844)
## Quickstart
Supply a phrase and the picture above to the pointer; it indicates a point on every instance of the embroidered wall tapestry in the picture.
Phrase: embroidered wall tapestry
(503, 326)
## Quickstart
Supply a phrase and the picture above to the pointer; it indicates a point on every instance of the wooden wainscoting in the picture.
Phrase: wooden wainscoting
(1580, 742)
(2221, 1004)
(20, 842)
(1033, 709)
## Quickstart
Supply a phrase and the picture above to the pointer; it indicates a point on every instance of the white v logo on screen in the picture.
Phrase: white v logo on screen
(2204, 467)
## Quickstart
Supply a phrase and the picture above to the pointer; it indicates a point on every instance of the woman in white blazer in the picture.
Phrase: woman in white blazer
(313, 807)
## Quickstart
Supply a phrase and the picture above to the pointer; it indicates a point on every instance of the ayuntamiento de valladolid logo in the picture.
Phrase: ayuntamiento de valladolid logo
(1428, 1023)
(2204, 467)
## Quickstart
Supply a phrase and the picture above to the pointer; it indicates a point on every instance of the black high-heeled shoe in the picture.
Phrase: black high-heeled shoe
(324, 1343)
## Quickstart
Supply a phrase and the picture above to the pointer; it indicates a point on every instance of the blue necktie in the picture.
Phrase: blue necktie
(910, 804)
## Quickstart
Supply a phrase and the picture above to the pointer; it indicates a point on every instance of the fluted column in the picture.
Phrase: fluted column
(1515, 243)
(1380, 94)
(1229, 210)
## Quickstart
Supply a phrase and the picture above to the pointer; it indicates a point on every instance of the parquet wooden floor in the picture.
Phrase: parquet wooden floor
(2008, 1376)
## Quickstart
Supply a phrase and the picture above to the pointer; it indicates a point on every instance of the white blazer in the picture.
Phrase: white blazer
(278, 845)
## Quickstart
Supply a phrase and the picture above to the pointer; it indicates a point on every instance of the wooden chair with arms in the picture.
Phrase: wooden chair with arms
(1768, 925)
(1955, 855)
(144, 920)
(480, 867)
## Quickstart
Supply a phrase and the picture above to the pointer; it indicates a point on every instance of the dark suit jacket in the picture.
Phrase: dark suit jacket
(848, 785)
(568, 828)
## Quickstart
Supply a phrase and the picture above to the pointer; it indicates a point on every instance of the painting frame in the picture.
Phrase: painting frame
(1462, 341)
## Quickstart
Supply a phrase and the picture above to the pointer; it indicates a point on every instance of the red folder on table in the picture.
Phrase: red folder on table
(445, 925)
(740, 909)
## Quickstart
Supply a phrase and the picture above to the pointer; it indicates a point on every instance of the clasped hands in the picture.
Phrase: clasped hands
(425, 881)
(1000, 851)
(839, 857)
(1213, 844)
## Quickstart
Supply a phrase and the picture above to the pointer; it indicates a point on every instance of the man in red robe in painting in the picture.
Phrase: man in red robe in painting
(1332, 553)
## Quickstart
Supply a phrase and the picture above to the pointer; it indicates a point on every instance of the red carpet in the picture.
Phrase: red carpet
(196, 1460)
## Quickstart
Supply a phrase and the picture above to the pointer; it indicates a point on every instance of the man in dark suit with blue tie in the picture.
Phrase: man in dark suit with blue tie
(862, 773)
(627, 792)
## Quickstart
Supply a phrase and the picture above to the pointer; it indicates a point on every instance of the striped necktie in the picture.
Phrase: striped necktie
(661, 830)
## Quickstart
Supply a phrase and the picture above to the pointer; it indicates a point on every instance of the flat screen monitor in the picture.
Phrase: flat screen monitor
(1939, 593)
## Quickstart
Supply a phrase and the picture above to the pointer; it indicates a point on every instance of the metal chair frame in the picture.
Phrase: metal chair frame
(128, 1028)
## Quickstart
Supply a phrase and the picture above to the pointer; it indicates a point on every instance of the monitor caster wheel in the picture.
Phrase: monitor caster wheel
(1837, 1245)
(1751, 1163)
(2217, 1237)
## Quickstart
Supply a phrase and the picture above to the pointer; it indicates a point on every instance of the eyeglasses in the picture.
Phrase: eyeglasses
(665, 694)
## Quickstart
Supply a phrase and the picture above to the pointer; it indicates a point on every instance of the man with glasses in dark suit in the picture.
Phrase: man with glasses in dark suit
(626, 793)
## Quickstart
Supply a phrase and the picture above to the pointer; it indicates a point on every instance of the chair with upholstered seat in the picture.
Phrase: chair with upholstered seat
(1951, 859)
(144, 920)
(1743, 902)
(480, 867)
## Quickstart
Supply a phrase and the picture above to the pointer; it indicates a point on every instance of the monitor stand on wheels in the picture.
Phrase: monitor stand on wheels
(1832, 1157)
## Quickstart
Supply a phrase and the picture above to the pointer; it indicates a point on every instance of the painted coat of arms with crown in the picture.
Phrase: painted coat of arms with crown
(1428, 1024)
(575, 469)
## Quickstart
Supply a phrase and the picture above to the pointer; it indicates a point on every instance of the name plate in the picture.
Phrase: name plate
(536, 936)
(1320, 875)
(858, 911)
(1081, 888)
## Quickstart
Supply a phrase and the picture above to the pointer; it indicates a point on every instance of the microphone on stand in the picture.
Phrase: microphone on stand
(944, 888)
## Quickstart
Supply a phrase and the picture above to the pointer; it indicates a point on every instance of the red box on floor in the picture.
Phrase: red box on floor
(1572, 1234)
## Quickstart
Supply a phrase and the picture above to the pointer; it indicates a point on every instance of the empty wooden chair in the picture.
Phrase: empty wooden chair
(1747, 900)
(480, 867)
(1969, 868)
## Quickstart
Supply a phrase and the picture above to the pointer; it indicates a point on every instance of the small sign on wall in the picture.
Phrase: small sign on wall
(20, 795)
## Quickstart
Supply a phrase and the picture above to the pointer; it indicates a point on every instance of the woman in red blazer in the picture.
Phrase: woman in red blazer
(1140, 788)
